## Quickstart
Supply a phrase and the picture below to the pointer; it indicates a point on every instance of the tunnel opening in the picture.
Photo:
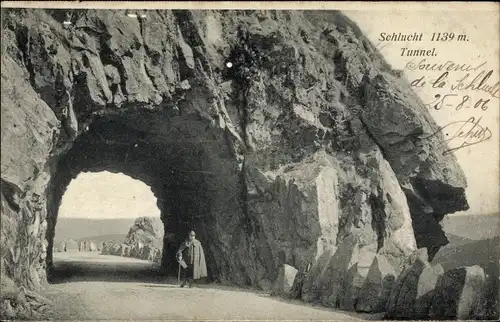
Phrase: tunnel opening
(189, 165)
(100, 209)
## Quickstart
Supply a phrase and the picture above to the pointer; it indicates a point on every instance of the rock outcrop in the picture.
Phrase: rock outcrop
(139, 251)
(146, 231)
(284, 282)
(20, 303)
(307, 150)
(457, 293)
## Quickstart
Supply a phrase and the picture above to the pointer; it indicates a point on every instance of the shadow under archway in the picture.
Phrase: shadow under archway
(189, 166)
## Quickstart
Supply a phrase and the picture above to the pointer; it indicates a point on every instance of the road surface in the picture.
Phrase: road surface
(89, 286)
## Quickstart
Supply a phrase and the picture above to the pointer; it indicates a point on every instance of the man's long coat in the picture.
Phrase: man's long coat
(199, 264)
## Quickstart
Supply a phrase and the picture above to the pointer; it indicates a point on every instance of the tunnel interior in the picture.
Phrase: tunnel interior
(189, 165)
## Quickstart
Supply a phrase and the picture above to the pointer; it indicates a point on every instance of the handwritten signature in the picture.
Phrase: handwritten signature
(462, 134)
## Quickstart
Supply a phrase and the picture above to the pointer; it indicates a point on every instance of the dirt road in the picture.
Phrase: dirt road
(92, 287)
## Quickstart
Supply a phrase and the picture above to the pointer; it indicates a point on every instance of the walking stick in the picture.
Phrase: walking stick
(179, 274)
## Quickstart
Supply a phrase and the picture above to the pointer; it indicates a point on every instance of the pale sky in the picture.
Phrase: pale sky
(101, 195)
(108, 195)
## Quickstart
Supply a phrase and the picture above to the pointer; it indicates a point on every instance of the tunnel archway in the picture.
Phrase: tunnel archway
(190, 170)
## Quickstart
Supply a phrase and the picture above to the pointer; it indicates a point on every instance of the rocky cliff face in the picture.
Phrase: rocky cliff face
(281, 137)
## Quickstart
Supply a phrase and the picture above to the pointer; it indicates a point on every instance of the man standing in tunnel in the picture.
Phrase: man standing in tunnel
(194, 265)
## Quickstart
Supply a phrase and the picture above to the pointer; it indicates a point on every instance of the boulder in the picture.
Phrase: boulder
(92, 247)
(298, 283)
(337, 276)
(71, 246)
(158, 256)
(129, 251)
(284, 282)
(309, 291)
(111, 248)
(116, 249)
(375, 291)
(356, 277)
(136, 249)
(61, 246)
(84, 246)
(147, 253)
(419, 258)
(105, 248)
(413, 292)
(326, 282)
(425, 290)
(457, 293)
(489, 306)
(146, 231)
(122, 250)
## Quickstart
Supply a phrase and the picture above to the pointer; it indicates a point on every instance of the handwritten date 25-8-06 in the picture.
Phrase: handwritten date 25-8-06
(462, 134)
(457, 102)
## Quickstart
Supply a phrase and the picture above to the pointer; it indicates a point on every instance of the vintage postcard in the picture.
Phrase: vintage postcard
(195, 161)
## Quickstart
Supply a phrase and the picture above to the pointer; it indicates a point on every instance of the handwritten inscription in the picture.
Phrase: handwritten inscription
(459, 87)
(461, 134)
(468, 82)
(463, 87)
(464, 102)
(425, 65)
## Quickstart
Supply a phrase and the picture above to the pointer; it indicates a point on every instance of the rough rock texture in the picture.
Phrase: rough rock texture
(135, 250)
(148, 253)
(298, 283)
(113, 248)
(138, 250)
(123, 250)
(306, 151)
(426, 290)
(157, 257)
(19, 302)
(356, 277)
(147, 231)
(413, 292)
(375, 291)
(284, 281)
(457, 293)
